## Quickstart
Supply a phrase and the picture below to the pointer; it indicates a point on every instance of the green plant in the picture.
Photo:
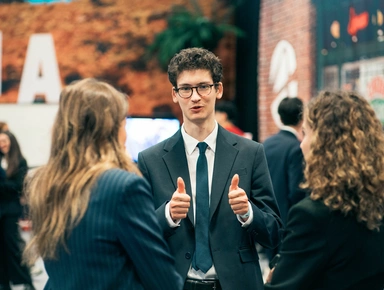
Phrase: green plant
(187, 28)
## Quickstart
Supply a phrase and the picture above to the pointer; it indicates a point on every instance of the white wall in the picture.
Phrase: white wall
(31, 124)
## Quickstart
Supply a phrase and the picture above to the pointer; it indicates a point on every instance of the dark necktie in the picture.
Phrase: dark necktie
(202, 259)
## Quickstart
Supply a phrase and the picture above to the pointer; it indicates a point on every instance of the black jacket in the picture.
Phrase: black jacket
(324, 249)
(11, 189)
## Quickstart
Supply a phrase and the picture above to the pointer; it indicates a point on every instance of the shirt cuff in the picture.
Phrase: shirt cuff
(170, 221)
(250, 218)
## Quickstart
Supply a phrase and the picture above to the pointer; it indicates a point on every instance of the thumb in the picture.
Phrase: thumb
(180, 185)
(234, 182)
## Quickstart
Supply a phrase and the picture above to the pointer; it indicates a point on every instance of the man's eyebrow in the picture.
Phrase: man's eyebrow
(200, 83)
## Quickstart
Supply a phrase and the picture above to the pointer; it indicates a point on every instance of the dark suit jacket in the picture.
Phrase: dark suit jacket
(324, 249)
(11, 189)
(285, 163)
(232, 246)
(117, 244)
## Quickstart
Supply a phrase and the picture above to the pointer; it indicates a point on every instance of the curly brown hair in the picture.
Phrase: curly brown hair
(193, 59)
(345, 166)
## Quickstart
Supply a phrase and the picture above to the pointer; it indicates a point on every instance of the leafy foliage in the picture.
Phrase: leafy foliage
(191, 29)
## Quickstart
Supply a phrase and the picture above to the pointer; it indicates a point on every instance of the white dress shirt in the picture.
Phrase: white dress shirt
(290, 129)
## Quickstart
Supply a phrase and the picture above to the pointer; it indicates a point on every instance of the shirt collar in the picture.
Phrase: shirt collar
(190, 143)
(289, 129)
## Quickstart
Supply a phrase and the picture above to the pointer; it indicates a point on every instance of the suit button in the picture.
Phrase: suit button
(188, 255)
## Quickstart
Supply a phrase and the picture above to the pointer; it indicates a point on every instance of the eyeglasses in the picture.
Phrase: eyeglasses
(202, 90)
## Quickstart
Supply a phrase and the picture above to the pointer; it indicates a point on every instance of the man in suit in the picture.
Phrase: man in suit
(211, 234)
(284, 156)
(285, 159)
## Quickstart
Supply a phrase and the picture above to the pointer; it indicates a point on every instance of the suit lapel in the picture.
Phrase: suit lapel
(176, 162)
(225, 156)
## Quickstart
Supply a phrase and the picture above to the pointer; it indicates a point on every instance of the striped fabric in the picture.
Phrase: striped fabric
(117, 245)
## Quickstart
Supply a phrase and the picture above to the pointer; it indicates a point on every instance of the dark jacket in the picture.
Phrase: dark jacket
(11, 189)
(326, 250)
(117, 244)
(232, 246)
(285, 163)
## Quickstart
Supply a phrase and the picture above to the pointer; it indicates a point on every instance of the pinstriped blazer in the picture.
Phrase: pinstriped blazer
(232, 246)
(117, 244)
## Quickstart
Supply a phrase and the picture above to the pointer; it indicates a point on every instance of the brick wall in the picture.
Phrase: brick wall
(293, 21)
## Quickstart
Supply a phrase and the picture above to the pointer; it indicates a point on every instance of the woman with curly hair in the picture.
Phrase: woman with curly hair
(335, 237)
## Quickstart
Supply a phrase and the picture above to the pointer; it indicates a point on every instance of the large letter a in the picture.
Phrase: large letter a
(40, 73)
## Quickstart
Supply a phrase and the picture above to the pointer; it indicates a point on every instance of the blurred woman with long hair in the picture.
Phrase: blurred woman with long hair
(12, 173)
(335, 238)
(93, 218)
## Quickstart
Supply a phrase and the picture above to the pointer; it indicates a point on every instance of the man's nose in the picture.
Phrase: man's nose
(195, 95)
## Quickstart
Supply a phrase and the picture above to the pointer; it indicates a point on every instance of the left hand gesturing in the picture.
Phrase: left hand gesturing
(238, 199)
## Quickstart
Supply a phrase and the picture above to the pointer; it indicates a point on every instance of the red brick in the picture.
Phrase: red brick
(291, 20)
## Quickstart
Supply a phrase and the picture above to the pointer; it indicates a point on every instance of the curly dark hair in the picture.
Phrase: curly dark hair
(345, 166)
(194, 59)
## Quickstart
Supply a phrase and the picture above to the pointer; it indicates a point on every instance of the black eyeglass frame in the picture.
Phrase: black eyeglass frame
(197, 90)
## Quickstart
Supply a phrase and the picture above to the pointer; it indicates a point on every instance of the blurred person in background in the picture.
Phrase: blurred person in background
(93, 218)
(3, 126)
(12, 173)
(335, 237)
(226, 116)
(285, 159)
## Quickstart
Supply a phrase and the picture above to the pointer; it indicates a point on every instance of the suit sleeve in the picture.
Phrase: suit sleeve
(160, 211)
(295, 176)
(266, 227)
(303, 254)
(139, 232)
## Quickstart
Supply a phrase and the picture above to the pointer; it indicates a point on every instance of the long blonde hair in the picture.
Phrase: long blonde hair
(345, 164)
(84, 145)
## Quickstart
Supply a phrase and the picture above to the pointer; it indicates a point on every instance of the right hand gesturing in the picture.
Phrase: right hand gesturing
(180, 202)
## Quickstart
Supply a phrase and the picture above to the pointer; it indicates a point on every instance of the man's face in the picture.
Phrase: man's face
(5, 144)
(197, 109)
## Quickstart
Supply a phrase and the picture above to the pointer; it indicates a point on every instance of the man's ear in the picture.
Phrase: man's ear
(174, 97)
(219, 91)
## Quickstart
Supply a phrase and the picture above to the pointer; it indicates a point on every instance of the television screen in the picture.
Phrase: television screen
(143, 132)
